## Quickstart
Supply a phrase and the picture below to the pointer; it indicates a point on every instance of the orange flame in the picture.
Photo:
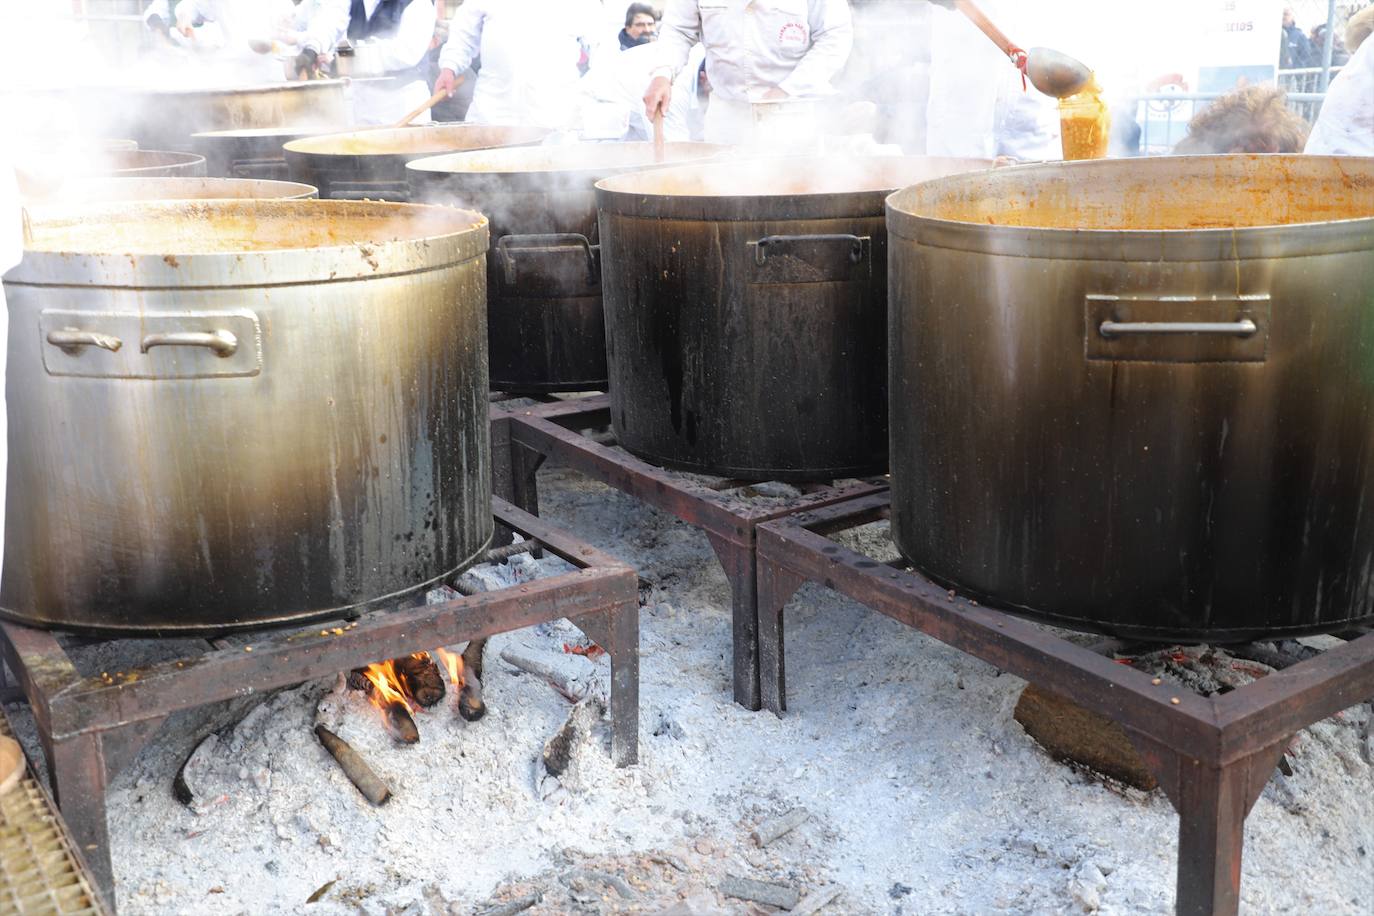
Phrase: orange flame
(387, 688)
(453, 664)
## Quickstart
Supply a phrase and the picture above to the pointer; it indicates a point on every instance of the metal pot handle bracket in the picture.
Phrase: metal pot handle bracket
(230, 347)
(1177, 329)
(223, 343)
(507, 245)
(73, 340)
(826, 258)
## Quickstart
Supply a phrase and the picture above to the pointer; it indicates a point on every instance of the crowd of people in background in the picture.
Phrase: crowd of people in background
(1299, 49)
(706, 66)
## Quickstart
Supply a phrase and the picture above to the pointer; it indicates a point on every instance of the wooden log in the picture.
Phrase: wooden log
(354, 767)
(396, 716)
(570, 685)
(558, 750)
(1073, 734)
(401, 723)
(421, 678)
(778, 895)
(772, 829)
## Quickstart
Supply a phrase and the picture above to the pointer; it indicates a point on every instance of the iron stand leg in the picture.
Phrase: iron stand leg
(776, 586)
(1212, 802)
(76, 768)
(624, 652)
(525, 465)
(740, 563)
(502, 484)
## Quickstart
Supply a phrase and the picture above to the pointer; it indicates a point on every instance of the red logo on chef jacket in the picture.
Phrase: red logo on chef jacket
(794, 33)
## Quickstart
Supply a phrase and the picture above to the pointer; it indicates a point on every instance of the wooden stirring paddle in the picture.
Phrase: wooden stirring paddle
(430, 103)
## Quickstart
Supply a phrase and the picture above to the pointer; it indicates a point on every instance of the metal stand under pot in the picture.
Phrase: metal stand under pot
(92, 726)
(523, 438)
(1211, 755)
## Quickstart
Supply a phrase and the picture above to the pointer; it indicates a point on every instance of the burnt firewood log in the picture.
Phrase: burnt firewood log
(422, 678)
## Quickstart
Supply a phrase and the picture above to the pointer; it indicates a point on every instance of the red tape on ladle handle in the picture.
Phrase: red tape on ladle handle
(1013, 51)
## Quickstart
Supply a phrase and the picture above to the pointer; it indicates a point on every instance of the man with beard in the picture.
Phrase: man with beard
(640, 24)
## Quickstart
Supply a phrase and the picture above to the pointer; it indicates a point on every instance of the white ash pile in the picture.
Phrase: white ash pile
(925, 796)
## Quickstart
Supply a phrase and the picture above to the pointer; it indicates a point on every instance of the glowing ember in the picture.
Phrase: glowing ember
(453, 664)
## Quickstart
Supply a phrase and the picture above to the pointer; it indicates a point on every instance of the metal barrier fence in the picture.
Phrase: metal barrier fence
(1163, 117)
(1304, 81)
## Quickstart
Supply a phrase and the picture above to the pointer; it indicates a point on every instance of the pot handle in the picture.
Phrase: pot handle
(72, 340)
(1183, 328)
(223, 343)
(855, 243)
(507, 245)
(1243, 328)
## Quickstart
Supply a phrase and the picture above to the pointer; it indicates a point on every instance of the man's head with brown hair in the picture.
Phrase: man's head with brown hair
(1252, 119)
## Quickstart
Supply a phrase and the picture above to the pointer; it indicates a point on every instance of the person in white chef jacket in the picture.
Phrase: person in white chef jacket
(756, 50)
(398, 34)
(612, 98)
(530, 51)
(1345, 126)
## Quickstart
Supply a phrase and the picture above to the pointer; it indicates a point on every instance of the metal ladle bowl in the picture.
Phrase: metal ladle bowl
(1056, 74)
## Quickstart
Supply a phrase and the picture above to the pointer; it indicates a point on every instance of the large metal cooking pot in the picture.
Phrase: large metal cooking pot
(254, 152)
(746, 313)
(165, 118)
(234, 413)
(1135, 396)
(544, 322)
(143, 163)
(372, 163)
(107, 189)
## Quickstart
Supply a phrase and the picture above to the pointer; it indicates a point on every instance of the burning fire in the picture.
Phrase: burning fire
(402, 686)
(387, 689)
(453, 664)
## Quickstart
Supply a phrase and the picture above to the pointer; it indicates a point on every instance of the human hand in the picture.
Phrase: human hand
(657, 96)
(447, 82)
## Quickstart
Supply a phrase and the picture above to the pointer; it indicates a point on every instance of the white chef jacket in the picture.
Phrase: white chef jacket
(379, 103)
(159, 8)
(798, 46)
(613, 98)
(529, 50)
(1345, 126)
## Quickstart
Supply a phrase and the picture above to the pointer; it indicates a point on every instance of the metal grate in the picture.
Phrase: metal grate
(39, 870)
